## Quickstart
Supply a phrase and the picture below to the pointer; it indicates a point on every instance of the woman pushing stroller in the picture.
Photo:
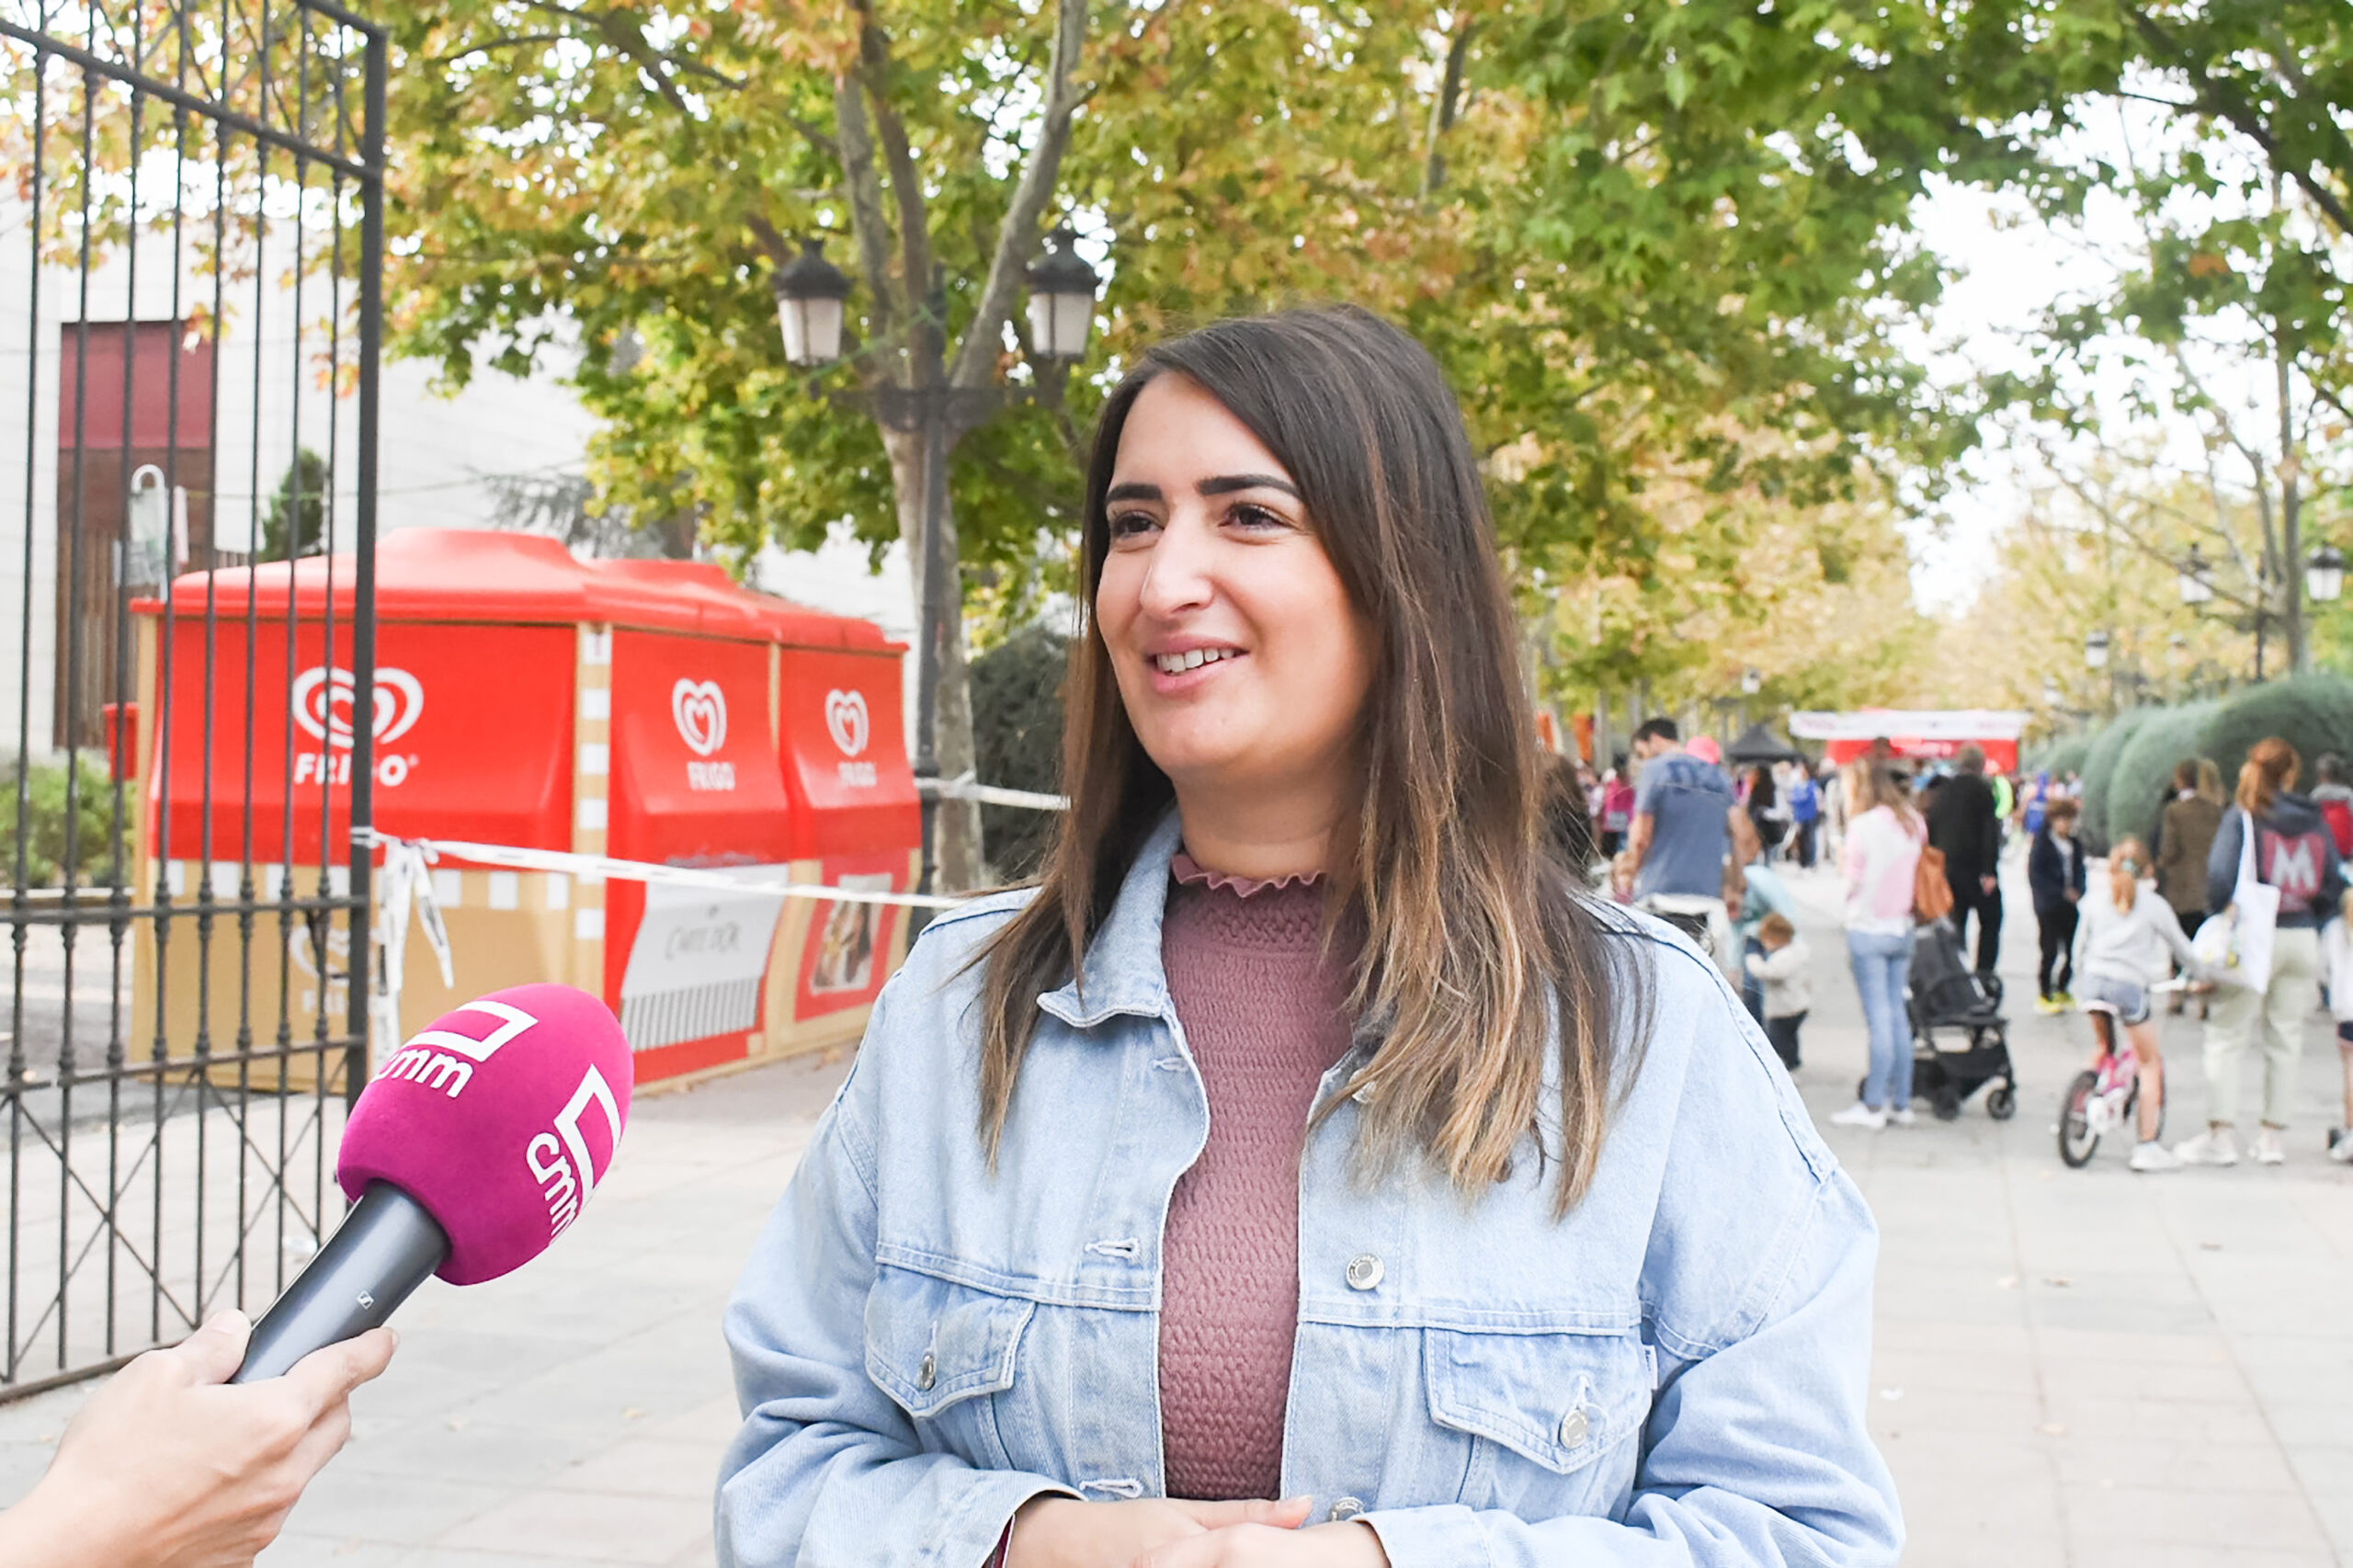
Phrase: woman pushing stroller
(2125, 948)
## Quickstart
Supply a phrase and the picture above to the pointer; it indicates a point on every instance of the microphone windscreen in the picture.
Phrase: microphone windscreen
(499, 1120)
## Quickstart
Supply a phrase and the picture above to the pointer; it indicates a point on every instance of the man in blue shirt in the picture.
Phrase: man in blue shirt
(1685, 820)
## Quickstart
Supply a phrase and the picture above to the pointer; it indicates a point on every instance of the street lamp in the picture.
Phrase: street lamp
(809, 295)
(930, 405)
(1061, 300)
(1752, 681)
(2196, 586)
(2324, 575)
(2096, 651)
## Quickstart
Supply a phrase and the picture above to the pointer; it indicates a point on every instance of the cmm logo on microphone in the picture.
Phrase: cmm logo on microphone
(322, 698)
(699, 710)
(559, 1159)
(847, 721)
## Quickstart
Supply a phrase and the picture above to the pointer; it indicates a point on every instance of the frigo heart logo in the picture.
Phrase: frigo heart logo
(846, 720)
(699, 710)
(322, 699)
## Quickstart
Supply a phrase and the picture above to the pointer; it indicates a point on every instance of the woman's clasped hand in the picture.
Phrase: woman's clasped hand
(1159, 1532)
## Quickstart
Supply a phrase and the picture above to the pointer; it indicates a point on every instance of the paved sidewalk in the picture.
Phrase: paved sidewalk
(2077, 1368)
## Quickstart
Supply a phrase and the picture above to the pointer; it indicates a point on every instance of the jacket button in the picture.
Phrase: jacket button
(1347, 1508)
(1575, 1426)
(1364, 1271)
(928, 1373)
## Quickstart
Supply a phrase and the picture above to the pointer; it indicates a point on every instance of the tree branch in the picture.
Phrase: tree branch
(906, 186)
(868, 226)
(976, 356)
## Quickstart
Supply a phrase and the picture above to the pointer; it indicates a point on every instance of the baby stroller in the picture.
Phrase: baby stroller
(1959, 1040)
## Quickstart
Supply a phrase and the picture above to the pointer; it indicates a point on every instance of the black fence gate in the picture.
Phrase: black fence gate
(191, 238)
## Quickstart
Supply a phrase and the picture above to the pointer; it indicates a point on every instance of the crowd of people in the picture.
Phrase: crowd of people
(1704, 847)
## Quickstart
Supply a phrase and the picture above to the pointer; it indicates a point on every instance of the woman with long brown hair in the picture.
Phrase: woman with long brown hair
(1307, 1172)
(2283, 839)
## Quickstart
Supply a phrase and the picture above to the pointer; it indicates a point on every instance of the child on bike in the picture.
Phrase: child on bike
(2127, 945)
(1780, 964)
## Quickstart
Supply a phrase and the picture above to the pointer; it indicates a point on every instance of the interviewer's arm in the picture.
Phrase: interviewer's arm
(169, 1467)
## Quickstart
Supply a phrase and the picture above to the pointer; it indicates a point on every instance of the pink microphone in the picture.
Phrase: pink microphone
(471, 1150)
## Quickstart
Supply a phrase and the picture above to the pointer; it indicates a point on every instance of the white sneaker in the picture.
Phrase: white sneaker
(1900, 1116)
(2267, 1148)
(2155, 1156)
(2212, 1147)
(2340, 1146)
(1860, 1115)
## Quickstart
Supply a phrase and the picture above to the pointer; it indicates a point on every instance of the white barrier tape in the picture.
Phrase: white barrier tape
(607, 866)
(962, 788)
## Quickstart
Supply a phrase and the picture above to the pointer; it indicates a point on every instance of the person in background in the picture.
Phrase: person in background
(2294, 853)
(1685, 821)
(1805, 812)
(1617, 806)
(1752, 894)
(1884, 838)
(2337, 967)
(1780, 965)
(2005, 801)
(2186, 826)
(2031, 801)
(2129, 944)
(169, 1466)
(1765, 817)
(2334, 799)
(1564, 815)
(2054, 873)
(1965, 825)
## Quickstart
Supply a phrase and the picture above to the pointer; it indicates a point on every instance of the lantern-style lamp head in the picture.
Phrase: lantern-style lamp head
(2096, 651)
(1752, 681)
(2324, 575)
(809, 295)
(1061, 300)
(2194, 580)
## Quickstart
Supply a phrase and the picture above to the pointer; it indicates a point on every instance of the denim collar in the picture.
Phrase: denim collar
(1123, 973)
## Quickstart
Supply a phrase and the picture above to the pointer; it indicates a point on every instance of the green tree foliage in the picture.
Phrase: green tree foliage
(1018, 740)
(296, 522)
(2312, 713)
(2100, 770)
(2143, 780)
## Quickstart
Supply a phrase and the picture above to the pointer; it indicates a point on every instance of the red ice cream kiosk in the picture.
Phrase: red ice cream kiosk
(646, 710)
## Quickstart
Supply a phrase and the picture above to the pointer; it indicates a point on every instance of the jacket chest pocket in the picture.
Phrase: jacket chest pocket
(945, 1353)
(1552, 1421)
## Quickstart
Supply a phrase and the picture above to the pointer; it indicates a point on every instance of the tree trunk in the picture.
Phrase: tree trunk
(957, 824)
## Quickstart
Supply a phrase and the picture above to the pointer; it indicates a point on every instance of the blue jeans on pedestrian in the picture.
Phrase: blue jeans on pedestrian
(1882, 961)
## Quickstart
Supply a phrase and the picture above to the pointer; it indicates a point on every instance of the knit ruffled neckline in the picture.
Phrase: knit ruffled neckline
(1191, 873)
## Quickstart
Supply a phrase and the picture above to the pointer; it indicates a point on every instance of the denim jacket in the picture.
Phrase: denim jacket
(1673, 1374)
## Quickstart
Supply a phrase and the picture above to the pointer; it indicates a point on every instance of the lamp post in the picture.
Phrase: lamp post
(2324, 575)
(810, 294)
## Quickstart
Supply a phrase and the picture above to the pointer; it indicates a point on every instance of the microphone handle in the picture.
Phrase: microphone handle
(383, 1250)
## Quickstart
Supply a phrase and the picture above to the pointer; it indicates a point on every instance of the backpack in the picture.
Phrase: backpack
(1931, 894)
(2338, 814)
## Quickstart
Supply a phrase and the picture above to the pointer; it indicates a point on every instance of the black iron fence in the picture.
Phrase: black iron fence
(190, 254)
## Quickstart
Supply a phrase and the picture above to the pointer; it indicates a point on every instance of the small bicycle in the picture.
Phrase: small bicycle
(2104, 1095)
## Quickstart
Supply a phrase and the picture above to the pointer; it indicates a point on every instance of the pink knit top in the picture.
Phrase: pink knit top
(1264, 1017)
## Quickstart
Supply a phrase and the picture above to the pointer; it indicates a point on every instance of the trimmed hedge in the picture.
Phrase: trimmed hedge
(2314, 713)
(1017, 743)
(2144, 773)
(2062, 756)
(2100, 770)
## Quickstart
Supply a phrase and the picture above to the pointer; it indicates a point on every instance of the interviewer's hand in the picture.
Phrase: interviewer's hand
(1062, 1532)
(167, 1467)
(1350, 1545)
